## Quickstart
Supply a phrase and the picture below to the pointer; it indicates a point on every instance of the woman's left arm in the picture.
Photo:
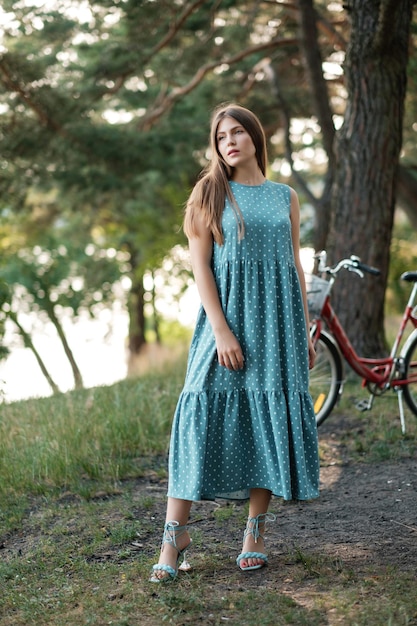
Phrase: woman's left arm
(295, 235)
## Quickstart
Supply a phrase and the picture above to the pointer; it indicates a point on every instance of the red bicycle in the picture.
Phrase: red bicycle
(396, 372)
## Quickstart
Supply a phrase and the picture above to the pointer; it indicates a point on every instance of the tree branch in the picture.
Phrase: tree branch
(27, 340)
(178, 92)
(330, 31)
(15, 87)
(175, 26)
(322, 23)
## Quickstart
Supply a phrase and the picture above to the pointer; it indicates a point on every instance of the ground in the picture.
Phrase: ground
(363, 524)
(359, 538)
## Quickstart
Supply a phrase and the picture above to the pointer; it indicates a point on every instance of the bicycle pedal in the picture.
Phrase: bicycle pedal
(362, 405)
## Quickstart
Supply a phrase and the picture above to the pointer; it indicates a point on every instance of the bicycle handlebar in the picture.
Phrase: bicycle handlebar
(353, 264)
(368, 268)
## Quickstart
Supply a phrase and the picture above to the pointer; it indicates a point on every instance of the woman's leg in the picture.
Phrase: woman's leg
(178, 511)
(259, 500)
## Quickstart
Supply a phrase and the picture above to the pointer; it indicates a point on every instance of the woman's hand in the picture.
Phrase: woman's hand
(311, 353)
(229, 352)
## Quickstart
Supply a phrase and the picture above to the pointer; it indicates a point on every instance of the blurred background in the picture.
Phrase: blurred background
(104, 119)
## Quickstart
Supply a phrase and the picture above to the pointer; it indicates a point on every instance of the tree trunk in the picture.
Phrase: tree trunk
(78, 381)
(367, 152)
(27, 340)
(318, 88)
(155, 316)
(136, 317)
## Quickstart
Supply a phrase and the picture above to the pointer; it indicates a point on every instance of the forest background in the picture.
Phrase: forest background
(104, 121)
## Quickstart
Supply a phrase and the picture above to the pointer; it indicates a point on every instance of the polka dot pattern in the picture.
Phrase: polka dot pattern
(256, 427)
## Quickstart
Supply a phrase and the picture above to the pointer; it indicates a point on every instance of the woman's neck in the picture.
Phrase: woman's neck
(248, 177)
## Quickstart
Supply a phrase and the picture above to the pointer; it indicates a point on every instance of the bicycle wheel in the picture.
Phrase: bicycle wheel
(410, 368)
(325, 378)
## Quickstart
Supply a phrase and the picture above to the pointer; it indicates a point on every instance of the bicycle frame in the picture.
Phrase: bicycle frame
(378, 371)
(384, 372)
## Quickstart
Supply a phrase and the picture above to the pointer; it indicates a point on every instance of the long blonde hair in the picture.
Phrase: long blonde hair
(212, 188)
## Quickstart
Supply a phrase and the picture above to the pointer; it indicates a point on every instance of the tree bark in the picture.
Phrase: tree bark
(78, 381)
(367, 153)
(136, 317)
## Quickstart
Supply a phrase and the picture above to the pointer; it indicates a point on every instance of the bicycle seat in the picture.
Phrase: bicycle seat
(410, 277)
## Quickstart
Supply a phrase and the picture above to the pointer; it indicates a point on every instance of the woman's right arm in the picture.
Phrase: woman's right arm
(229, 352)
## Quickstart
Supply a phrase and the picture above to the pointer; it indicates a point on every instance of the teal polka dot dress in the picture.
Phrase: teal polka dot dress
(234, 430)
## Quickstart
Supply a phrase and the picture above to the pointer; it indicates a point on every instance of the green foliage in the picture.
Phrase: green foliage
(121, 62)
(60, 272)
(105, 106)
(52, 267)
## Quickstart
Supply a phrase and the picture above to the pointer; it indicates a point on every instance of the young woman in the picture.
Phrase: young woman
(244, 426)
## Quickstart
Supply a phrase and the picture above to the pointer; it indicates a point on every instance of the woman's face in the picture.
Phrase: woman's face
(234, 143)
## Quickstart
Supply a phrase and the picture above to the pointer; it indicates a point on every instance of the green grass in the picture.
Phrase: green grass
(373, 436)
(77, 566)
(79, 440)
(78, 522)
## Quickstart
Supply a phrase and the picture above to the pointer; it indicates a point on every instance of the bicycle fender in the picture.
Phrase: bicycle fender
(333, 341)
(406, 346)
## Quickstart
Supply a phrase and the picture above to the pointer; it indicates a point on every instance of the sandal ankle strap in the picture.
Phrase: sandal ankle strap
(172, 530)
(252, 526)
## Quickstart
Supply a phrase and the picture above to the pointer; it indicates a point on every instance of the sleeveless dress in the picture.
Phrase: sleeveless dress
(234, 430)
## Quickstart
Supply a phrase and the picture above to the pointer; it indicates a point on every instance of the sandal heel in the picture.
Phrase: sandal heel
(185, 565)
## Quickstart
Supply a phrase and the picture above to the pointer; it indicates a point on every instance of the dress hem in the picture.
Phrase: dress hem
(212, 498)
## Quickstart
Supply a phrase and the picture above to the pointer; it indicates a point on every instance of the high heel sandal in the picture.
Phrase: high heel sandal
(252, 528)
(172, 530)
